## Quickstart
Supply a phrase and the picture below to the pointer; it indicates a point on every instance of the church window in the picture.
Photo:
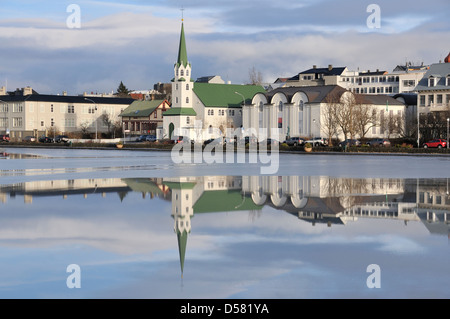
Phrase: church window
(187, 100)
(188, 120)
(187, 86)
(187, 72)
(182, 72)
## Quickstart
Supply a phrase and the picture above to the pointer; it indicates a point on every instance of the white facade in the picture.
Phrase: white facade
(37, 114)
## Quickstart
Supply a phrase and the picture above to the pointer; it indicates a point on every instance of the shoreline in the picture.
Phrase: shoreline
(430, 153)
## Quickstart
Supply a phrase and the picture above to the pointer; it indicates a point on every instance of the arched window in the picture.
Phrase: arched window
(187, 100)
(188, 120)
(187, 72)
(280, 106)
(187, 86)
(260, 115)
(280, 115)
(261, 107)
(300, 117)
(182, 72)
(176, 86)
(176, 100)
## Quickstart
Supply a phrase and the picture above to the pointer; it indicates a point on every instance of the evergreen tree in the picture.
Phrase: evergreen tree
(122, 90)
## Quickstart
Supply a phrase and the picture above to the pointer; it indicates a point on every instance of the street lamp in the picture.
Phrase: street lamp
(96, 127)
(448, 120)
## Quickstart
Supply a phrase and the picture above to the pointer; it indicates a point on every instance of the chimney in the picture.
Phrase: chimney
(64, 93)
(330, 67)
(314, 66)
(27, 91)
(3, 90)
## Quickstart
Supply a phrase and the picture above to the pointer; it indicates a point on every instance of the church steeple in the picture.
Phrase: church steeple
(182, 53)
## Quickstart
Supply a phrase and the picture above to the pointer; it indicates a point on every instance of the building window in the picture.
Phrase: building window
(182, 72)
(187, 72)
(187, 100)
(409, 83)
(52, 122)
(439, 99)
(176, 100)
(431, 82)
(188, 120)
(176, 86)
(17, 122)
(17, 108)
(70, 109)
(280, 106)
(42, 124)
(430, 100)
(422, 100)
(51, 108)
(155, 114)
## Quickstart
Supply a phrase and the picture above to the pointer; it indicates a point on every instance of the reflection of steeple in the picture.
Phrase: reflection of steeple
(182, 237)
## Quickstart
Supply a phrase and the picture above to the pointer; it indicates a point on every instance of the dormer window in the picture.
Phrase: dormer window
(431, 82)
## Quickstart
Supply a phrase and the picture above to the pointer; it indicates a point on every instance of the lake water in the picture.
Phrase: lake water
(137, 225)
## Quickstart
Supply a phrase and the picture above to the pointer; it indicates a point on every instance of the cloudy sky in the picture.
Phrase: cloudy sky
(136, 41)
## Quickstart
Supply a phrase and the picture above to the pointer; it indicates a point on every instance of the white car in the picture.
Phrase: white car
(317, 141)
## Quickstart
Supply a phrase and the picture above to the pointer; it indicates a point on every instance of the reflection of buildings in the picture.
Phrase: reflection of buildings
(85, 187)
(312, 199)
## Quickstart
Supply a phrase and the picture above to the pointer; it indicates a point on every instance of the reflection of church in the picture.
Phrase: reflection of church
(312, 199)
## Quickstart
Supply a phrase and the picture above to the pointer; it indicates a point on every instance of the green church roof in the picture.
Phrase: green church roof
(223, 201)
(224, 95)
(180, 111)
(141, 108)
(182, 53)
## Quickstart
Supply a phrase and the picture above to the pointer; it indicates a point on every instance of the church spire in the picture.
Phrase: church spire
(182, 53)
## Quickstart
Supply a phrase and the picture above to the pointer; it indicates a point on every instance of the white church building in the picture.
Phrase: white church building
(200, 110)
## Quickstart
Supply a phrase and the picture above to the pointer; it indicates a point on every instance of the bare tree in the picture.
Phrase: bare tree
(345, 115)
(107, 121)
(255, 77)
(365, 117)
(329, 124)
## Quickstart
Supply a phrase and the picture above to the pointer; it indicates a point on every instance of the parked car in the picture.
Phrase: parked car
(439, 143)
(4, 138)
(379, 142)
(349, 142)
(29, 139)
(45, 139)
(150, 138)
(317, 141)
(294, 141)
(141, 138)
(62, 139)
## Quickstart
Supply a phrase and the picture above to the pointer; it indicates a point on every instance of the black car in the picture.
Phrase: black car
(45, 139)
(350, 142)
(150, 138)
(62, 139)
(141, 138)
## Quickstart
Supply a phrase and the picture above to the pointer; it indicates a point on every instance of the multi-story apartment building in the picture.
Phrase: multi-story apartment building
(433, 91)
(401, 80)
(24, 113)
